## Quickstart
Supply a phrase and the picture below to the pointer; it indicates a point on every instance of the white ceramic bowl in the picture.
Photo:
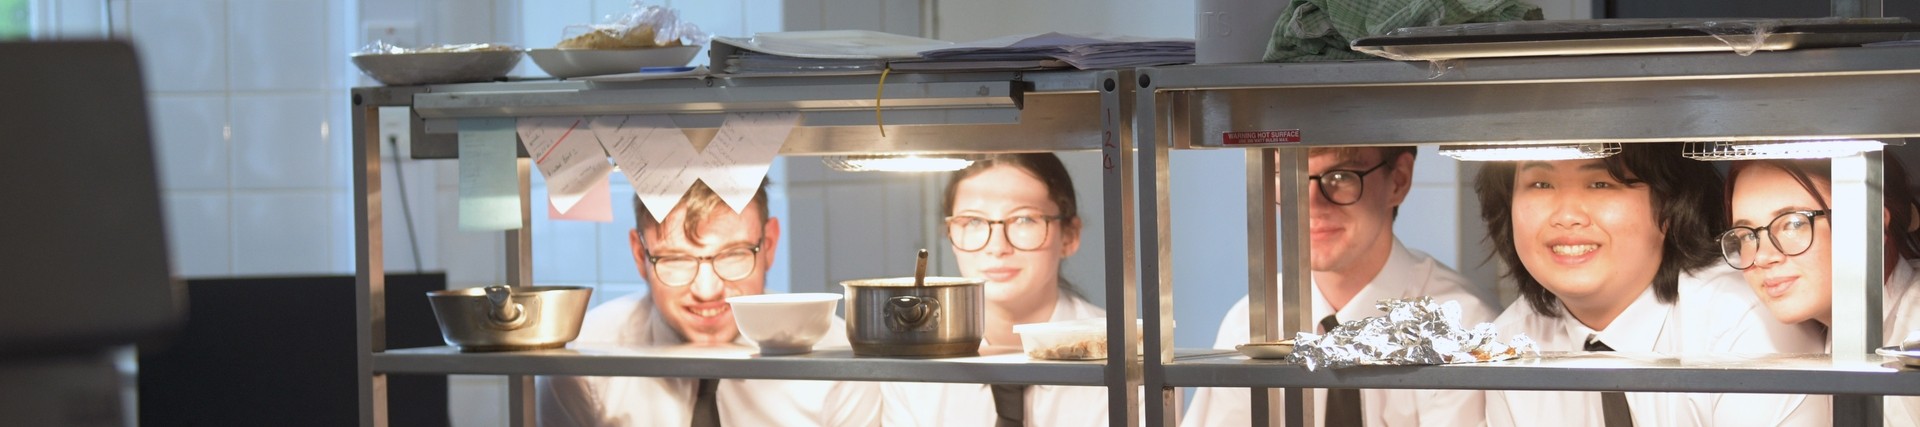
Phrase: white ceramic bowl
(566, 63)
(784, 323)
(401, 69)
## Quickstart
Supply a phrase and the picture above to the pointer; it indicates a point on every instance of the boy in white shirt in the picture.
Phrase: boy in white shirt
(1357, 261)
(1618, 254)
(702, 253)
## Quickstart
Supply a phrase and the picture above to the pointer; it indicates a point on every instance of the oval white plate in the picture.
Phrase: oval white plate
(1909, 357)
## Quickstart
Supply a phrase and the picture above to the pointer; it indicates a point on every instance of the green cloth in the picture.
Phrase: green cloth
(1322, 30)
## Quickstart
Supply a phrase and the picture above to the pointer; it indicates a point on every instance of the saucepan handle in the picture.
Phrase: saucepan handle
(907, 313)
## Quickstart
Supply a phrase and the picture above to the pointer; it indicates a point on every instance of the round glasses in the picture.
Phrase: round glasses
(1343, 187)
(730, 265)
(971, 233)
(1791, 233)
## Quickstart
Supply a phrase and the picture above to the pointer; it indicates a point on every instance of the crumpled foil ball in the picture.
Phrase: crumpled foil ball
(1415, 331)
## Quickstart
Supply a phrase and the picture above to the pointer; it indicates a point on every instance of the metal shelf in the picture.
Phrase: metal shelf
(1574, 371)
(1865, 93)
(923, 113)
(1842, 92)
(944, 112)
(994, 365)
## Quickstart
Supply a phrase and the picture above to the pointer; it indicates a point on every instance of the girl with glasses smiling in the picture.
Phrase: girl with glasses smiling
(1780, 240)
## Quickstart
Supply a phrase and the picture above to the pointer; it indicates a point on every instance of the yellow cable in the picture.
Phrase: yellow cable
(878, 93)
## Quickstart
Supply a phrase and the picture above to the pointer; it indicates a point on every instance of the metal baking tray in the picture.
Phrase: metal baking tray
(1668, 40)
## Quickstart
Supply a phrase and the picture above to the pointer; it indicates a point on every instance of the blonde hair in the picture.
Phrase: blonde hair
(700, 201)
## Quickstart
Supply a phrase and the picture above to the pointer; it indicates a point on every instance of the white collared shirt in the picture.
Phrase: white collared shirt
(1901, 304)
(939, 404)
(1716, 313)
(1407, 273)
(643, 401)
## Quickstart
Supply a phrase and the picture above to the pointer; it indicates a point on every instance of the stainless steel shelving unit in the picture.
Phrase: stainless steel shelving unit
(1865, 93)
(923, 113)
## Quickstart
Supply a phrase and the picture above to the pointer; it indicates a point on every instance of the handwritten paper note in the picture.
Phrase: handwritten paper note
(567, 155)
(489, 184)
(654, 154)
(737, 159)
(595, 206)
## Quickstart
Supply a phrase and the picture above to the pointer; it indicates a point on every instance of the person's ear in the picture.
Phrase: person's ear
(1402, 177)
(772, 232)
(1913, 218)
(1070, 237)
(639, 254)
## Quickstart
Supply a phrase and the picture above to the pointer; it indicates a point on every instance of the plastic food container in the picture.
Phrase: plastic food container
(1082, 339)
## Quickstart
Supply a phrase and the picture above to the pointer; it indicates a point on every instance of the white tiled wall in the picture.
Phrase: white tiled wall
(250, 110)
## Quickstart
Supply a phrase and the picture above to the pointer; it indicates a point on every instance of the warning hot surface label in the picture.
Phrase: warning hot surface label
(1280, 136)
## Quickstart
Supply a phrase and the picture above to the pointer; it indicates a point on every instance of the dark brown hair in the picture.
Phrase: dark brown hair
(1687, 197)
(1043, 166)
(1895, 197)
(700, 201)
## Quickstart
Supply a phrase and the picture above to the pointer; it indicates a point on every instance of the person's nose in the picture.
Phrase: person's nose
(1765, 255)
(1317, 198)
(997, 243)
(1570, 212)
(707, 285)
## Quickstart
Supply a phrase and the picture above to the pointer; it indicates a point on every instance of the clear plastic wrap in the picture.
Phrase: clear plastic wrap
(1415, 331)
(643, 26)
(381, 47)
(435, 64)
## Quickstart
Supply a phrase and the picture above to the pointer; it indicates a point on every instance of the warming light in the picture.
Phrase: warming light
(899, 162)
(1803, 149)
(1497, 153)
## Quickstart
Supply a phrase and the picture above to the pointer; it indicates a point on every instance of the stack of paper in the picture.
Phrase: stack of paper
(1083, 52)
(862, 52)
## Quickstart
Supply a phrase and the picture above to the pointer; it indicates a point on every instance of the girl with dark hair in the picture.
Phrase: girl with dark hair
(1012, 220)
(1781, 241)
(1617, 254)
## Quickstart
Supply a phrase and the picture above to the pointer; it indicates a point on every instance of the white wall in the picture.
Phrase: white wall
(249, 104)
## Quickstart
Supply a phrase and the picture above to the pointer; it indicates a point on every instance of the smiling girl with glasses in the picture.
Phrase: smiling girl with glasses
(1791, 267)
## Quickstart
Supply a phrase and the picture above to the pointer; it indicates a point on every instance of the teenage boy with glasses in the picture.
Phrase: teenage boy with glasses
(1356, 260)
(703, 253)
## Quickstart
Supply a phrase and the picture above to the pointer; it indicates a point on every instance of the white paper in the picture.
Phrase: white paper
(737, 159)
(567, 154)
(654, 155)
(489, 186)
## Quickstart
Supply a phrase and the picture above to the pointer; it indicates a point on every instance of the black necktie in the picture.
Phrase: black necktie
(1009, 405)
(1343, 405)
(706, 412)
(1613, 404)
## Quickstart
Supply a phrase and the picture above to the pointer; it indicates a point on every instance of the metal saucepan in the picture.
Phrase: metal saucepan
(505, 318)
(916, 316)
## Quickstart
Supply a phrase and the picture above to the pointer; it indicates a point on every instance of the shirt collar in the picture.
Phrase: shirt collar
(1070, 307)
(1638, 328)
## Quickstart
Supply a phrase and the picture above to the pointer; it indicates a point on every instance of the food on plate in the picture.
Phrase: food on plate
(1912, 342)
(1093, 348)
(604, 37)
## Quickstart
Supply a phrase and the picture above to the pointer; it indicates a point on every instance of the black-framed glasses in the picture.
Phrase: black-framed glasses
(971, 233)
(1791, 233)
(1344, 187)
(731, 264)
